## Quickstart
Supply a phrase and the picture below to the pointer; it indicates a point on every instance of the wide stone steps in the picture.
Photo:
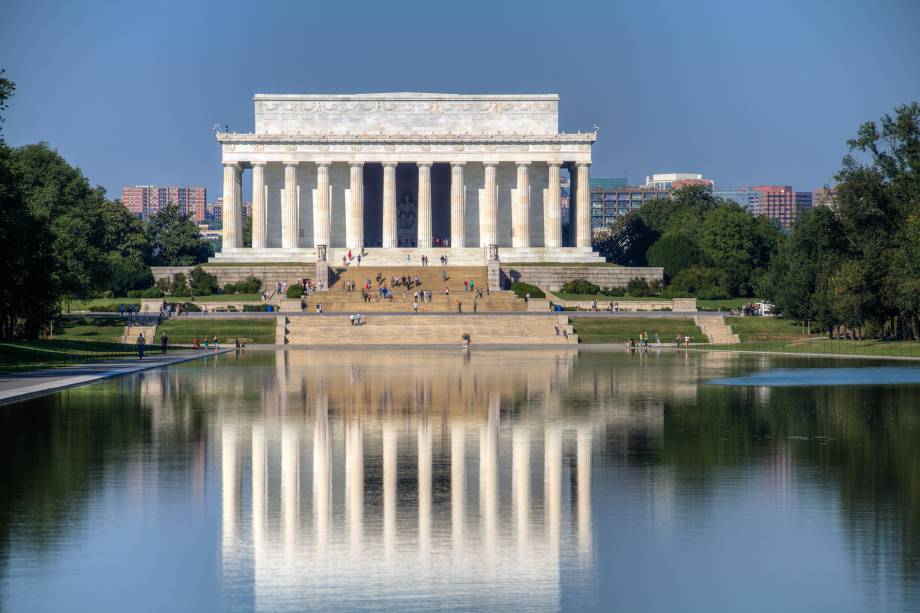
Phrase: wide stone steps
(431, 277)
(716, 330)
(429, 330)
(130, 334)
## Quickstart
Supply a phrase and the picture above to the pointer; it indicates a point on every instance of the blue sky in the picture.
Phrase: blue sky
(744, 92)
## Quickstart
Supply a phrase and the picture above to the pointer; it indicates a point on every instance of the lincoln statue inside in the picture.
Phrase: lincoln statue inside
(406, 174)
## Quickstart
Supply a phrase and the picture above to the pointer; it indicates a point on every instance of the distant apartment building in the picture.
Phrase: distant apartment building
(612, 198)
(147, 200)
(215, 212)
(824, 197)
(675, 180)
(745, 196)
(781, 203)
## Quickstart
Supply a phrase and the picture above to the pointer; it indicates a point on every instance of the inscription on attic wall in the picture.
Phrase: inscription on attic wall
(428, 115)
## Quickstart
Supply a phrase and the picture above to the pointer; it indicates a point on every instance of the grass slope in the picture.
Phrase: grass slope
(619, 330)
(89, 328)
(227, 330)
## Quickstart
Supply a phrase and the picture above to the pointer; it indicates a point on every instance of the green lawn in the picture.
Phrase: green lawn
(620, 329)
(87, 305)
(829, 346)
(565, 264)
(227, 330)
(19, 356)
(89, 328)
(764, 328)
(606, 299)
(223, 298)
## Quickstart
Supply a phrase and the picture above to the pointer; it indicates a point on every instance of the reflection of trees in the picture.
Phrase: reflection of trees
(861, 442)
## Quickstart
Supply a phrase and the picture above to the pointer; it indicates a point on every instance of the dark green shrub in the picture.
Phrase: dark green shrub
(179, 285)
(580, 286)
(614, 291)
(190, 307)
(255, 308)
(295, 291)
(125, 274)
(522, 289)
(639, 288)
(163, 284)
(699, 281)
(202, 283)
(150, 292)
(674, 251)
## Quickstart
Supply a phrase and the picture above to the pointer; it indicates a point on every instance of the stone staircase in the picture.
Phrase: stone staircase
(426, 330)
(337, 300)
(715, 328)
(129, 337)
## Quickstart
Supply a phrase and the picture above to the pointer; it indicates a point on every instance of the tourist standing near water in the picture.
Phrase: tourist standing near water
(140, 346)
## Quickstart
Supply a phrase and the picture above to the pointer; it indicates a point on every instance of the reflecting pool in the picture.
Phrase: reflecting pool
(491, 480)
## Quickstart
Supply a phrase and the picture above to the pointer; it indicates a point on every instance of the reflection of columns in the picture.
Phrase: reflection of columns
(290, 211)
(290, 483)
(258, 489)
(520, 210)
(583, 207)
(424, 205)
(457, 205)
(389, 485)
(259, 207)
(488, 216)
(520, 481)
(389, 205)
(354, 481)
(552, 486)
(488, 474)
(233, 228)
(457, 483)
(321, 212)
(228, 486)
(322, 482)
(424, 486)
(552, 210)
(354, 214)
(584, 491)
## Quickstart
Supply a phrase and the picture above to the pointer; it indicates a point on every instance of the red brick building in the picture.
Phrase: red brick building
(781, 202)
(146, 200)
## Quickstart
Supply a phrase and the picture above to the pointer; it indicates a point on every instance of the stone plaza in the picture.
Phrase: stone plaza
(400, 175)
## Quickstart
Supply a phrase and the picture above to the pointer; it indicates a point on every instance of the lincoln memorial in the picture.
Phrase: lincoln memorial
(472, 177)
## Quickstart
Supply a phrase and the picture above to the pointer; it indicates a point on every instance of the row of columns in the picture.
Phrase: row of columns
(354, 208)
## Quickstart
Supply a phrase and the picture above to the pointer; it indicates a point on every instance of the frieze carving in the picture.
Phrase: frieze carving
(291, 147)
(399, 107)
(230, 147)
(389, 147)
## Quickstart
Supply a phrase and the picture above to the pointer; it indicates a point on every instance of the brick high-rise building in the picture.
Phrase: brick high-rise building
(146, 200)
(781, 203)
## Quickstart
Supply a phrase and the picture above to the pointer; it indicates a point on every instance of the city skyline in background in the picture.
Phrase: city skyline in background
(716, 87)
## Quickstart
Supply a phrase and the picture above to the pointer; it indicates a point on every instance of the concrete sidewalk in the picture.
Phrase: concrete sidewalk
(20, 386)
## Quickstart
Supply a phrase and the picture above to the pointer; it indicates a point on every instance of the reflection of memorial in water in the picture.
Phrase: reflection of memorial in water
(363, 480)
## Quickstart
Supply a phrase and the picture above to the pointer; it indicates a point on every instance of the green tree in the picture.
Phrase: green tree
(733, 240)
(628, 240)
(175, 239)
(674, 251)
(247, 231)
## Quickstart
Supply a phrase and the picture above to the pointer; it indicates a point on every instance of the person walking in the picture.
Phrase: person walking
(556, 326)
(475, 306)
(164, 342)
(415, 305)
(459, 306)
(359, 259)
(140, 346)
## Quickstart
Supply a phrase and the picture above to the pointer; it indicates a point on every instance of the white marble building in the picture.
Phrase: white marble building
(407, 173)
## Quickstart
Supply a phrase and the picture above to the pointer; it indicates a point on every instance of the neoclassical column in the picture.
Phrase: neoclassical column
(321, 213)
(290, 484)
(488, 212)
(424, 205)
(259, 207)
(354, 214)
(457, 206)
(552, 210)
(290, 213)
(233, 226)
(520, 212)
(583, 207)
(389, 205)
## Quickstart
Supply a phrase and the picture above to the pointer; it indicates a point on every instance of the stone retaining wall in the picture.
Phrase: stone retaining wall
(270, 275)
(554, 277)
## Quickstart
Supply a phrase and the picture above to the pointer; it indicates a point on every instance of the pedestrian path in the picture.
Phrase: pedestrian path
(20, 386)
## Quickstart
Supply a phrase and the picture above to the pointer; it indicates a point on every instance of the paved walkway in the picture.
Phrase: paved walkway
(20, 386)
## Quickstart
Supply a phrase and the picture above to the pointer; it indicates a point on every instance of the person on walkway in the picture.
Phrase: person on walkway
(349, 255)
(466, 285)
(475, 306)
(140, 346)
(352, 318)
(415, 305)
(216, 343)
(359, 259)
(164, 342)
(237, 343)
(556, 326)
(527, 297)
(686, 342)
(565, 333)
(207, 343)
(459, 306)
(196, 343)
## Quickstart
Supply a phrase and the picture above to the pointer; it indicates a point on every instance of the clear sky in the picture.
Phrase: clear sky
(762, 92)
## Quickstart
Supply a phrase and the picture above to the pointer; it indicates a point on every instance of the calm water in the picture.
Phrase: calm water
(301, 480)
